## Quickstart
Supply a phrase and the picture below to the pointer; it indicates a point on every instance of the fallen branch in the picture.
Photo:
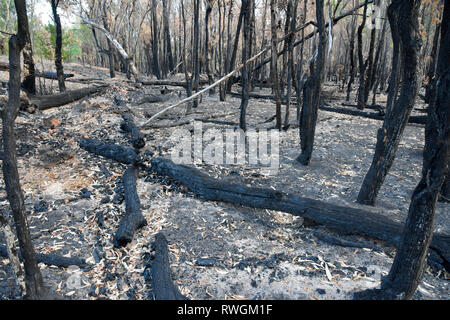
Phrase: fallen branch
(172, 83)
(162, 284)
(342, 219)
(61, 99)
(51, 259)
(371, 115)
(187, 121)
(115, 43)
(128, 125)
(153, 99)
(45, 74)
(111, 151)
(133, 218)
(199, 93)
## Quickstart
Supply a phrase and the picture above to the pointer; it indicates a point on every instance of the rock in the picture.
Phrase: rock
(85, 193)
(206, 262)
(41, 206)
(320, 291)
(106, 199)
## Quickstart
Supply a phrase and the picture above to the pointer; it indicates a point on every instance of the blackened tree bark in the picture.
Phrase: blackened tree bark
(29, 76)
(352, 57)
(291, 72)
(155, 42)
(110, 51)
(58, 47)
(394, 81)
(362, 64)
(312, 91)
(209, 5)
(246, 54)
(389, 136)
(445, 190)
(407, 269)
(34, 284)
(274, 62)
(232, 61)
(196, 47)
(431, 69)
(167, 39)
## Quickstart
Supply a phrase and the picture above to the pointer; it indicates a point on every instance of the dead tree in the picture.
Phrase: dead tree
(162, 283)
(167, 40)
(312, 91)
(274, 62)
(389, 136)
(407, 269)
(155, 41)
(133, 218)
(246, 53)
(343, 219)
(58, 47)
(34, 283)
(362, 64)
(196, 47)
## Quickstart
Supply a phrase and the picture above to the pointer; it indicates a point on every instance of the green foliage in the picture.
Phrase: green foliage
(45, 42)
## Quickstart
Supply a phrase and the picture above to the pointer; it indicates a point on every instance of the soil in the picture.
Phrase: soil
(217, 250)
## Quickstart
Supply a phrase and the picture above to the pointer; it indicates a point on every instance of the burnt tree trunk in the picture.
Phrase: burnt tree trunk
(133, 218)
(155, 42)
(58, 47)
(34, 283)
(407, 269)
(431, 69)
(362, 64)
(195, 54)
(246, 54)
(389, 136)
(167, 36)
(311, 93)
(274, 62)
(394, 81)
(232, 61)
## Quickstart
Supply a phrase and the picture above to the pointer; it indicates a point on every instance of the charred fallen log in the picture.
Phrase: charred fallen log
(370, 115)
(342, 219)
(61, 99)
(153, 99)
(163, 287)
(168, 83)
(53, 75)
(111, 151)
(128, 125)
(45, 74)
(51, 259)
(133, 218)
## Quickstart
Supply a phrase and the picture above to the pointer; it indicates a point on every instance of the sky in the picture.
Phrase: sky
(43, 10)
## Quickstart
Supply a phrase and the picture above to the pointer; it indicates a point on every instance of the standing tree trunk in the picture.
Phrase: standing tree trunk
(352, 58)
(394, 81)
(209, 5)
(312, 91)
(407, 269)
(34, 284)
(232, 61)
(167, 36)
(29, 76)
(362, 65)
(196, 45)
(431, 69)
(389, 136)
(58, 47)
(155, 41)
(246, 54)
(274, 62)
